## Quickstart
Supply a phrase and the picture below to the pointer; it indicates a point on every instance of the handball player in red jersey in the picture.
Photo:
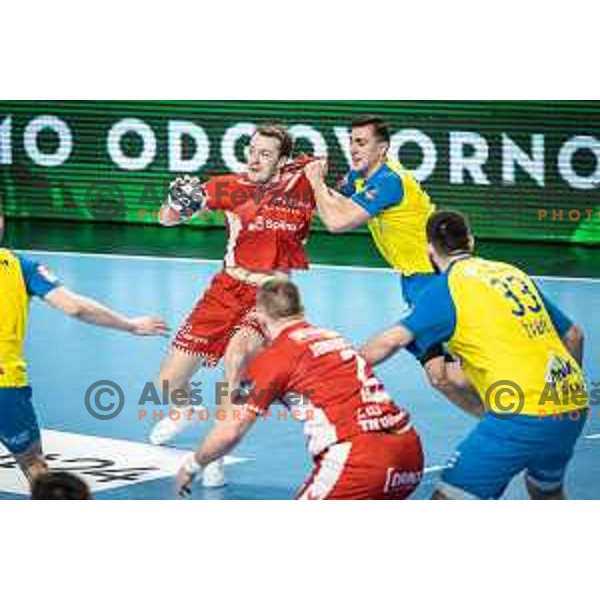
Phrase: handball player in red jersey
(362, 444)
(268, 211)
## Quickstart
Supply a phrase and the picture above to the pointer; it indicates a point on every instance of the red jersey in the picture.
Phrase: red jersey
(320, 374)
(267, 224)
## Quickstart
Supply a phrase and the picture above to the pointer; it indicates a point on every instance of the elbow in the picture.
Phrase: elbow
(339, 228)
(576, 334)
(574, 337)
(335, 227)
(335, 224)
(74, 309)
(329, 225)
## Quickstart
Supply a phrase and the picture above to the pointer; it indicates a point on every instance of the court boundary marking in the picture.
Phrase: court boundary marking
(316, 266)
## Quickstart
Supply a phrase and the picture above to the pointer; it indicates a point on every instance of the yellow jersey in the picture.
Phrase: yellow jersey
(399, 209)
(20, 278)
(507, 335)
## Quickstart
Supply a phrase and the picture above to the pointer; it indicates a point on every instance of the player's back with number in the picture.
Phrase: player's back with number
(506, 330)
(334, 381)
(362, 443)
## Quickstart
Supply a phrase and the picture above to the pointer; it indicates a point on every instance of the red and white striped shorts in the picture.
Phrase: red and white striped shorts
(227, 305)
(371, 466)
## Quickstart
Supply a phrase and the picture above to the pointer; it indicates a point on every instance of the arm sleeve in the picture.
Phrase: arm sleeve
(433, 319)
(39, 280)
(380, 193)
(561, 322)
(346, 185)
(265, 381)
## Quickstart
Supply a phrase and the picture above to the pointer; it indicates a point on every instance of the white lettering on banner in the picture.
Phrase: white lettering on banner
(232, 135)
(113, 144)
(512, 155)
(65, 141)
(342, 135)
(414, 136)
(315, 138)
(468, 151)
(473, 164)
(565, 162)
(5, 141)
(178, 164)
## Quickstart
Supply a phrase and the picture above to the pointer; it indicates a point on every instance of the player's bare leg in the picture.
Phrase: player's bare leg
(437, 495)
(241, 348)
(536, 493)
(176, 371)
(32, 462)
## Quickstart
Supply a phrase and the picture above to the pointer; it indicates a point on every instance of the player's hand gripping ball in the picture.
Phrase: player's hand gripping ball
(185, 196)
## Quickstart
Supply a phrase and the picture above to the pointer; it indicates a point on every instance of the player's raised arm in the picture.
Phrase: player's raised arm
(186, 197)
(338, 213)
(41, 282)
(90, 311)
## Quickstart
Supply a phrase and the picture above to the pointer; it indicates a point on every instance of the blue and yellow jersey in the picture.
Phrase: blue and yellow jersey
(504, 329)
(20, 278)
(399, 209)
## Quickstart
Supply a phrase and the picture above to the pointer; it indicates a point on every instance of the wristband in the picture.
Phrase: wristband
(190, 465)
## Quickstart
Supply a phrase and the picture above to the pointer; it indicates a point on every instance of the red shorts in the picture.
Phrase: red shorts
(227, 305)
(372, 466)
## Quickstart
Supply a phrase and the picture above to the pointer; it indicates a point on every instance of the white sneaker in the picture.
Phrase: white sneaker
(164, 431)
(213, 475)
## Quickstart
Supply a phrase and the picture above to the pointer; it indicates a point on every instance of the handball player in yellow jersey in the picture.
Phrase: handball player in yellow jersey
(20, 279)
(378, 191)
(521, 356)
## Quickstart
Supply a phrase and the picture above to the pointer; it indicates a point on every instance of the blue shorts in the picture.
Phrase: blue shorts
(19, 428)
(499, 449)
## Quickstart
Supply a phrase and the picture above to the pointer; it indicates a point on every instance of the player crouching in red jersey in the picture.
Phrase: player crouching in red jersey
(268, 211)
(363, 445)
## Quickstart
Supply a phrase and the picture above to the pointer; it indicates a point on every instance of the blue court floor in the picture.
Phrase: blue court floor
(66, 357)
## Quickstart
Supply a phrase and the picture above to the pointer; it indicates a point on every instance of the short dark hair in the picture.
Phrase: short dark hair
(380, 127)
(279, 132)
(60, 485)
(449, 232)
(280, 298)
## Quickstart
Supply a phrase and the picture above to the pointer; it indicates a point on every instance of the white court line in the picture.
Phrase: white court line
(315, 266)
(427, 470)
(434, 469)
